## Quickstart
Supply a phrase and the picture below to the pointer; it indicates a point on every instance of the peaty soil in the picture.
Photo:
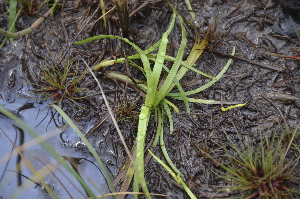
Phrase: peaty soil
(270, 85)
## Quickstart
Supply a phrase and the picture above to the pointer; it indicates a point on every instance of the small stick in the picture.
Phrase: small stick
(95, 128)
(31, 28)
(249, 61)
(139, 8)
(270, 101)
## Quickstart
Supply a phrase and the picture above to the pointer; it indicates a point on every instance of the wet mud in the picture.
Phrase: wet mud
(270, 85)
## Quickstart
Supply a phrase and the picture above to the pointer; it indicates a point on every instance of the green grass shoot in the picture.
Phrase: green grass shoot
(175, 176)
(155, 96)
(12, 16)
(89, 146)
(262, 171)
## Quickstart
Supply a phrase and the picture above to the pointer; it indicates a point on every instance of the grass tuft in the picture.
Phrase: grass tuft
(263, 170)
(59, 84)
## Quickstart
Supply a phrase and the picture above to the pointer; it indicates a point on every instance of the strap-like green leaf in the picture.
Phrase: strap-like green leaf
(169, 58)
(124, 78)
(162, 52)
(207, 85)
(139, 177)
(166, 155)
(183, 96)
(169, 114)
(173, 174)
(153, 47)
(162, 92)
(160, 117)
(195, 53)
(172, 105)
(143, 56)
(88, 144)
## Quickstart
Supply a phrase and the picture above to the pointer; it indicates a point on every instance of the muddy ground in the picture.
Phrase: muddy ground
(269, 84)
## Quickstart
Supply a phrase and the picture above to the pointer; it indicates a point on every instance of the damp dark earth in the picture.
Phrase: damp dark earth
(255, 119)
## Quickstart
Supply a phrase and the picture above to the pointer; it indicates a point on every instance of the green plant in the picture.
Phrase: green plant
(125, 108)
(12, 16)
(156, 90)
(263, 170)
(31, 7)
(60, 84)
(175, 176)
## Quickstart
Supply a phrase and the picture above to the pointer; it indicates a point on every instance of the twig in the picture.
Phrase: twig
(95, 128)
(249, 61)
(139, 8)
(122, 8)
(31, 28)
(279, 111)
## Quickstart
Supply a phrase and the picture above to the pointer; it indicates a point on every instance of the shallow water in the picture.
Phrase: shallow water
(16, 96)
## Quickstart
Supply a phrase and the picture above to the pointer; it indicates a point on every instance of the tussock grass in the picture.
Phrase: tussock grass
(61, 85)
(266, 169)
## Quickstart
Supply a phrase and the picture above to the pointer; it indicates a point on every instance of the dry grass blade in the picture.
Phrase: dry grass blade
(110, 112)
(189, 6)
(33, 142)
(102, 5)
